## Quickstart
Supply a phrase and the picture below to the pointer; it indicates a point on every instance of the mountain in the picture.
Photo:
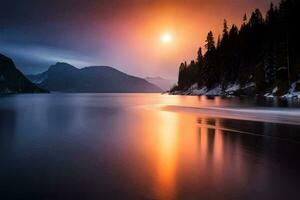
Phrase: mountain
(262, 57)
(63, 77)
(162, 83)
(12, 80)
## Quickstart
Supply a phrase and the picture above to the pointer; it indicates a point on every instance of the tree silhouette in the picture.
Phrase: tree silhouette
(264, 51)
(210, 42)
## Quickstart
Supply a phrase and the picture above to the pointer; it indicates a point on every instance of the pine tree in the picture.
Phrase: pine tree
(219, 42)
(210, 42)
(245, 18)
(199, 55)
(225, 29)
(256, 18)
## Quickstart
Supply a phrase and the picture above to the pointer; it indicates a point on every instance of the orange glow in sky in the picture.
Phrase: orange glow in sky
(158, 36)
(166, 38)
(139, 37)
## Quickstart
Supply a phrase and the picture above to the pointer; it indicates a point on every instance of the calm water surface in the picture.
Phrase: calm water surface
(148, 146)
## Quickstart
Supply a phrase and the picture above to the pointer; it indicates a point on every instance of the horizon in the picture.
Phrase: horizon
(110, 34)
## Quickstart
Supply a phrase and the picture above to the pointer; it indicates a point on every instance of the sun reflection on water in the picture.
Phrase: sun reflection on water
(167, 151)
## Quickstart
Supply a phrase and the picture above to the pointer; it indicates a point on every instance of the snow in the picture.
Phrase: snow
(194, 86)
(275, 90)
(232, 88)
(194, 90)
(293, 93)
(215, 91)
(200, 91)
(269, 95)
(272, 94)
(248, 85)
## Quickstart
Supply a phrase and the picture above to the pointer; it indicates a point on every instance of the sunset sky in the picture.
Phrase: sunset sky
(139, 37)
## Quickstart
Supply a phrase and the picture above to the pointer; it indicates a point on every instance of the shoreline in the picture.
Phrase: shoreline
(286, 96)
(236, 90)
(283, 97)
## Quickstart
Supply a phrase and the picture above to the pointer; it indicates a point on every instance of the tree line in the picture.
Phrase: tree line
(264, 51)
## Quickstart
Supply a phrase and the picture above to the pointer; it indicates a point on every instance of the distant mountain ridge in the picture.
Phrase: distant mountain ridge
(63, 77)
(162, 83)
(12, 80)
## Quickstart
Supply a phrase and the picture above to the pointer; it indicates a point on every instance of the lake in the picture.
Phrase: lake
(148, 146)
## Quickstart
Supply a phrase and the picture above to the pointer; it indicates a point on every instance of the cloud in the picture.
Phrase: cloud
(45, 54)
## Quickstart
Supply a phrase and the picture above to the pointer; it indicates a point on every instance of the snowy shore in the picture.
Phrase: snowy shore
(238, 90)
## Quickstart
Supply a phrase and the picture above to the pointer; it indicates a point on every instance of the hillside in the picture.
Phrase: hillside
(63, 77)
(12, 80)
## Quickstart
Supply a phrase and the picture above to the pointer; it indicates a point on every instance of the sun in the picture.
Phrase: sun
(166, 38)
